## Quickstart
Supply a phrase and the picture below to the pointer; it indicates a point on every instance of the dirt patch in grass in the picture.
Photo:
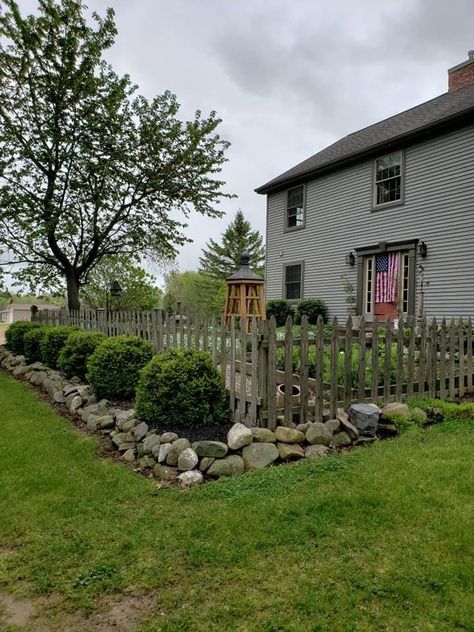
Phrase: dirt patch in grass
(41, 615)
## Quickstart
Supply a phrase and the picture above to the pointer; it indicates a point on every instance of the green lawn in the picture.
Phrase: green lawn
(378, 539)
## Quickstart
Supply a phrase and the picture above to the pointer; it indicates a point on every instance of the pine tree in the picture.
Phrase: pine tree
(219, 260)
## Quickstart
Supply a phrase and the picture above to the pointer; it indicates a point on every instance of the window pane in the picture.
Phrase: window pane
(293, 274)
(294, 209)
(295, 197)
(293, 282)
(293, 291)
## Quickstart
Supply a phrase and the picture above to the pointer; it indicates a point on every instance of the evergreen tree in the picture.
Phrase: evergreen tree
(219, 260)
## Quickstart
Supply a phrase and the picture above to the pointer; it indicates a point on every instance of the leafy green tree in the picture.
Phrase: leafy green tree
(197, 294)
(139, 290)
(88, 169)
(219, 260)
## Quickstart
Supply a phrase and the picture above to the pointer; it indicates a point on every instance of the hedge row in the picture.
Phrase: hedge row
(310, 307)
(175, 388)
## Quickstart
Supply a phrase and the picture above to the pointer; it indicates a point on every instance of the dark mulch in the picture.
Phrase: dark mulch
(217, 432)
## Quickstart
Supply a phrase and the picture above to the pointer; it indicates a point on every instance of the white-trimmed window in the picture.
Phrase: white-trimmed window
(295, 207)
(388, 179)
(293, 281)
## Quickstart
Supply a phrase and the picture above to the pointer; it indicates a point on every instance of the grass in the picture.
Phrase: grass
(377, 539)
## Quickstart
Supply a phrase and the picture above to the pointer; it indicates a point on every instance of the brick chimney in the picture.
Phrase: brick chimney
(462, 75)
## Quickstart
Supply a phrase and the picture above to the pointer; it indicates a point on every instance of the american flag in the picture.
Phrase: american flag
(386, 268)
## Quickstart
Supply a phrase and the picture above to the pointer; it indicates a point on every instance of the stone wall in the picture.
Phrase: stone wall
(173, 459)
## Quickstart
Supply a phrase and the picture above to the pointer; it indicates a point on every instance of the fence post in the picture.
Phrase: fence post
(304, 342)
(271, 375)
(263, 363)
(334, 366)
(288, 420)
(319, 389)
(361, 376)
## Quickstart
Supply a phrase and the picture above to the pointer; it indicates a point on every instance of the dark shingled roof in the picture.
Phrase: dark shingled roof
(451, 108)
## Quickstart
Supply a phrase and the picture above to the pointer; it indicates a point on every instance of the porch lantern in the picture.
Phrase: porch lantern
(244, 295)
(350, 259)
(423, 250)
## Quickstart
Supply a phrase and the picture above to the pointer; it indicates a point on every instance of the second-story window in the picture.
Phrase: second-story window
(388, 179)
(295, 207)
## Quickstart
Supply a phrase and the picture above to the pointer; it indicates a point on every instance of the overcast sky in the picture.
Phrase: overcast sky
(288, 77)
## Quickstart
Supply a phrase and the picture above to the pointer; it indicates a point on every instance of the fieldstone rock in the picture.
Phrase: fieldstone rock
(140, 431)
(84, 390)
(75, 403)
(129, 445)
(21, 369)
(263, 435)
(98, 410)
(122, 437)
(129, 455)
(150, 441)
(346, 425)
(318, 433)
(289, 435)
(228, 466)
(105, 422)
(36, 366)
(365, 440)
(187, 460)
(177, 447)
(38, 377)
(386, 430)
(125, 419)
(303, 427)
(258, 455)
(69, 389)
(316, 451)
(334, 425)
(290, 451)
(421, 415)
(365, 418)
(58, 397)
(193, 477)
(147, 461)
(239, 436)
(161, 452)
(397, 408)
(169, 437)
(165, 472)
(92, 422)
(341, 439)
(206, 463)
(217, 449)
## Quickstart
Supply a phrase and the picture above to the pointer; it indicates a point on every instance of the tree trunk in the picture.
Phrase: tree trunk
(72, 290)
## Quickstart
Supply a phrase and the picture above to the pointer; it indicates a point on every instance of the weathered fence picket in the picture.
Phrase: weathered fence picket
(317, 369)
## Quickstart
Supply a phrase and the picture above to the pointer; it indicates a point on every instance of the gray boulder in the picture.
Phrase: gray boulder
(161, 452)
(290, 451)
(318, 433)
(365, 418)
(205, 463)
(346, 425)
(397, 408)
(150, 442)
(334, 425)
(341, 439)
(289, 435)
(104, 423)
(258, 455)
(187, 460)
(140, 431)
(193, 477)
(58, 397)
(165, 472)
(75, 403)
(228, 466)
(177, 447)
(129, 455)
(263, 435)
(215, 449)
(316, 451)
(239, 436)
(125, 419)
(168, 437)
(122, 437)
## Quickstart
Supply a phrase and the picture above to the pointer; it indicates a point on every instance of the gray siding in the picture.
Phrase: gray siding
(438, 209)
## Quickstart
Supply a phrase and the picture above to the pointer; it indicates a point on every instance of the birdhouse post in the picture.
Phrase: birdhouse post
(244, 295)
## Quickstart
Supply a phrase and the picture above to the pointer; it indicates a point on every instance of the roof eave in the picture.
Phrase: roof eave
(445, 124)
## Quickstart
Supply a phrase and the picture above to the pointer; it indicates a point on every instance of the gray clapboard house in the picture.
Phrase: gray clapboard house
(390, 207)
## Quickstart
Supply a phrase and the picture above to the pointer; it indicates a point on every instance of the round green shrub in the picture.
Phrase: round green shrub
(15, 335)
(78, 348)
(52, 343)
(114, 367)
(181, 388)
(280, 309)
(313, 308)
(32, 343)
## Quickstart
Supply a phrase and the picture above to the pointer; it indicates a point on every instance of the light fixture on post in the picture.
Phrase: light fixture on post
(115, 290)
(350, 259)
(422, 250)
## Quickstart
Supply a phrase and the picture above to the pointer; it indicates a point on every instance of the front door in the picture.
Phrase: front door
(386, 288)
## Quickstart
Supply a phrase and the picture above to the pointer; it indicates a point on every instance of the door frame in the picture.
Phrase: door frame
(408, 246)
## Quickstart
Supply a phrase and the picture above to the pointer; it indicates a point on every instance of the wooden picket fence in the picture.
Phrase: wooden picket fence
(273, 376)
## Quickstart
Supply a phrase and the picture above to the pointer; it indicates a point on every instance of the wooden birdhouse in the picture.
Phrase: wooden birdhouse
(245, 294)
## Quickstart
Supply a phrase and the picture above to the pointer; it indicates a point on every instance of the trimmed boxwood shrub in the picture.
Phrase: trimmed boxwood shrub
(78, 348)
(312, 307)
(114, 367)
(15, 335)
(181, 387)
(52, 343)
(280, 309)
(32, 343)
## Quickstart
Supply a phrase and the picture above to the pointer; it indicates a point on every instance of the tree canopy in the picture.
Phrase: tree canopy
(219, 260)
(198, 295)
(88, 168)
(139, 289)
